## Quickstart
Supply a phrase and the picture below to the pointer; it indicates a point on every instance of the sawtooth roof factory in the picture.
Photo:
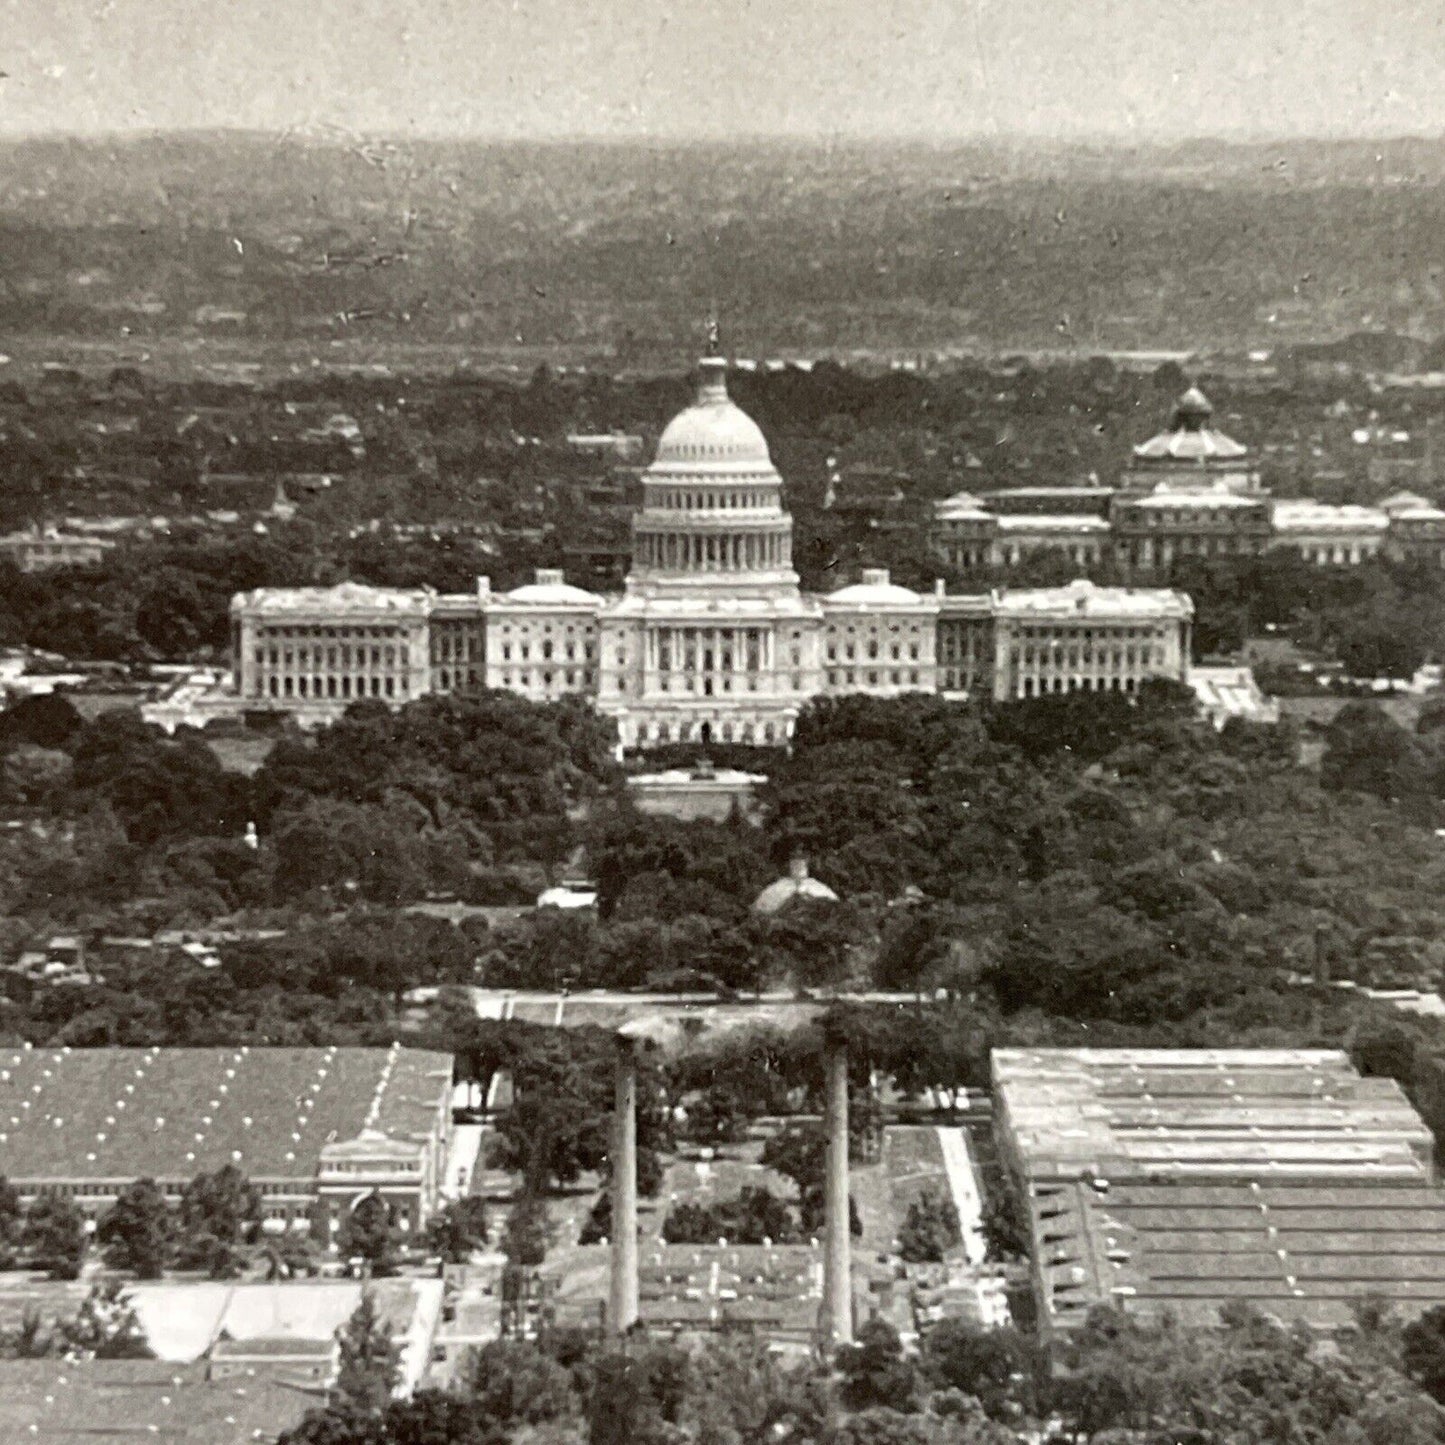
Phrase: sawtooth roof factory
(1181, 1181)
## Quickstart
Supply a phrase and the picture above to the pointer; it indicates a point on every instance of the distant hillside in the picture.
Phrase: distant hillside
(614, 246)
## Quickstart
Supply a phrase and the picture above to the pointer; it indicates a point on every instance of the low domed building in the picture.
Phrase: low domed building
(796, 883)
(1192, 453)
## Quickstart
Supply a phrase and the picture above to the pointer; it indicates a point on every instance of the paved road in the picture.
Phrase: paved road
(493, 1003)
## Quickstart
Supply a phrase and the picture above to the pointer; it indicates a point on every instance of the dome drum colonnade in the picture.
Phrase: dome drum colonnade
(712, 640)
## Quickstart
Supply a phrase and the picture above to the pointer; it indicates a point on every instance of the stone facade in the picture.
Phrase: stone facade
(712, 639)
(1190, 492)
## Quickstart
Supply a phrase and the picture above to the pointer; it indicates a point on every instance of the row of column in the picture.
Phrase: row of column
(709, 652)
(1042, 665)
(714, 552)
(278, 669)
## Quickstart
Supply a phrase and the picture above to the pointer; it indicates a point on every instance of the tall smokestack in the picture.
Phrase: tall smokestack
(622, 1294)
(837, 1261)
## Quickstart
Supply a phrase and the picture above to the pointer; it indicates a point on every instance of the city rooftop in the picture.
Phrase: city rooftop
(172, 1113)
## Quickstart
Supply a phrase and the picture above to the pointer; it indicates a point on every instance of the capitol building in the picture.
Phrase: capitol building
(712, 641)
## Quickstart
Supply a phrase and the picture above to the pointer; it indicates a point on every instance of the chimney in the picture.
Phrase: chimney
(549, 577)
(484, 586)
(837, 1260)
(940, 588)
(875, 576)
(798, 867)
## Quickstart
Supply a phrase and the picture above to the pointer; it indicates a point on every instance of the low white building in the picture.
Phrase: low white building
(1226, 692)
(1340, 536)
(1085, 638)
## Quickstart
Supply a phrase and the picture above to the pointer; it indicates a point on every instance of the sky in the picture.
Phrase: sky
(1134, 69)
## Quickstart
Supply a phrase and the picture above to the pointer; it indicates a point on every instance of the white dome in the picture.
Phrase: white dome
(550, 589)
(875, 590)
(714, 431)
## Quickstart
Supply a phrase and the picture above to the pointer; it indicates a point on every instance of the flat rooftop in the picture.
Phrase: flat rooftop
(690, 1286)
(123, 1114)
(117, 1402)
(1228, 1115)
(1300, 1252)
(182, 1319)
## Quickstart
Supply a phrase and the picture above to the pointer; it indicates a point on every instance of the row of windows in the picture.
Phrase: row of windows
(529, 628)
(727, 732)
(302, 634)
(1066, 657)
(850, 677)
(1038, 687)
(448, 678)
(1195, 546)
(731, 501)
(1343, 555)
(372, 1166)
(957, 679)
(953, 652)
(1186, 517)
(546, 651)
(1090, 634)
(314, 658)
(373, 685)
(850, 652)
(914, 629)
(709, 685)
(454, 647)
(692, 656)
(567, 678)
(714, 684)
(170, 1188)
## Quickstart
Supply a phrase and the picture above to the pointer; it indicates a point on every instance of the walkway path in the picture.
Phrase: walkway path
(963, 1184)
(462, 1159)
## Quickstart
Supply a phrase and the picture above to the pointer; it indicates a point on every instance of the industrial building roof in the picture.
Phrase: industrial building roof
(1205, 1114)
(123, 1114)
(106, 1402)
(1300, 1252)
(1226, 691)
(1187, 1179)
(185, 1319)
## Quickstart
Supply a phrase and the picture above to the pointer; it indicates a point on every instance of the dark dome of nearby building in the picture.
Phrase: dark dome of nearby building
(796, 883)
(1190, 437)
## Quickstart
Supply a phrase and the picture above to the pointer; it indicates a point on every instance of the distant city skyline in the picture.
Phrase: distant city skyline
(1125, 69)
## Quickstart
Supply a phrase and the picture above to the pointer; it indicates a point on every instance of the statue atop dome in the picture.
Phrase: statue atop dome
(714, 337)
